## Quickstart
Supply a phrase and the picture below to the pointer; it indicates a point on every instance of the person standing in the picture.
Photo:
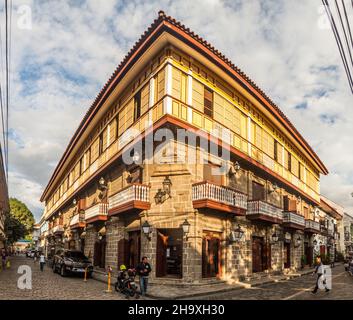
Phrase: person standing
(41, 261)
(319, 270)
(143, 270)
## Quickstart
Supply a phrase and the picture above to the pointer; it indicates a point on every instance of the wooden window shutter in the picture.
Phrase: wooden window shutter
(197, 95)
(112, 131)
(208, 174)
(105, 139)
(208, 102)
(145, 98)
(258, 191)
(289, 204)
(95, 150)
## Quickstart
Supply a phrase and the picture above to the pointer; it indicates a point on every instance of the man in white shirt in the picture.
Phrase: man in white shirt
(319, 270)
(41, 261)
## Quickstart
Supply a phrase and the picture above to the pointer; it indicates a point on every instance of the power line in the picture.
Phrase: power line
(338, 42)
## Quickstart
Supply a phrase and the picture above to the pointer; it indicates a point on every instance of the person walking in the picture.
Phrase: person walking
(3, 259)
(319, 271)
(41, 261)
(143, 270)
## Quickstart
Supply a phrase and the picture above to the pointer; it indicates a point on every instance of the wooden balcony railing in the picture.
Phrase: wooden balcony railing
(209, 195)
(293, 220)
(312, 226)
(96, 212)
(261, 210)
(133, 197)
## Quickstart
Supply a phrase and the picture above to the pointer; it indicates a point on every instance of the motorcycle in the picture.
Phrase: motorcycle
(126, 283)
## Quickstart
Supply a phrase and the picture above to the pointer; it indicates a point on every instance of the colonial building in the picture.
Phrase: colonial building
(345, 229)
(183, 159)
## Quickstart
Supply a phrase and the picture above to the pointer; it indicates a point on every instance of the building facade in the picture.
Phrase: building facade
(183, 159)
(345, 229)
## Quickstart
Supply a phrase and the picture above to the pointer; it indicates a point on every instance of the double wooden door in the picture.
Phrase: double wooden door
(211, 255)
(129, 250)
(99, 253)
(261, 255)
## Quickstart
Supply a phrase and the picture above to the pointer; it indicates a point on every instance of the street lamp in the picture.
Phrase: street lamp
(160, 196)
(237, 234)
(74, 201)
(186, 226)
(315, 242)
(275, 237)
(102, 183)
(298, 242)
(146, 229)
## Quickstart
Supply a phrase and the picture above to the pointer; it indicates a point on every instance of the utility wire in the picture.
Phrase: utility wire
(344, 32)
(339, 42)
(347, 21)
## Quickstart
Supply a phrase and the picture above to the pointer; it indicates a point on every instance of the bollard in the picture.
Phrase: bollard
(109, 289)
(85, 278)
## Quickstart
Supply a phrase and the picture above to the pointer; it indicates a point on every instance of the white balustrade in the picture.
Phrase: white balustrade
(100, 209)
(135, 192)
(207, 190)
(261, 207)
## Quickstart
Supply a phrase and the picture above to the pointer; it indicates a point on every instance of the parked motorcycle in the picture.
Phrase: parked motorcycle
(126, 283)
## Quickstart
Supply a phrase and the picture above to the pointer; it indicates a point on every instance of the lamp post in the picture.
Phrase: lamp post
(275, 237)
(186, 228)
(162, 194)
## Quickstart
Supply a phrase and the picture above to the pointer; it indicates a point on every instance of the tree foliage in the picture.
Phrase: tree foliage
(19, 211)
(14, 229)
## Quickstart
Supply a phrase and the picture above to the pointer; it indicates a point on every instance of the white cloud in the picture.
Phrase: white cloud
(60, 66)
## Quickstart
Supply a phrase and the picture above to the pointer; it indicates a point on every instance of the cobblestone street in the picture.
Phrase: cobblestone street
(295, 289)
(49, 285)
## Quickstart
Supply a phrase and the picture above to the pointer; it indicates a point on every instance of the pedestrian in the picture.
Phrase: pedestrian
(41, 261)
(143, 270)
(3, 259)
(35, 256)
(319, 271)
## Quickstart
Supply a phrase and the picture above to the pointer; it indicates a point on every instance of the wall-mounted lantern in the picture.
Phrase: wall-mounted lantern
(236, 235)
(102, 184)
(186, 227)
(273, 188)
(234, 169)
(298, 242)
(162, 194)
(275, 237)
(146, 229)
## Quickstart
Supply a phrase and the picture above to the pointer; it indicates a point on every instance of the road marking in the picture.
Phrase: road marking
(309, 289)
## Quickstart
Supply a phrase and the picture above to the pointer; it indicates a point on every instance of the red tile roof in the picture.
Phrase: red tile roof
(168, 23)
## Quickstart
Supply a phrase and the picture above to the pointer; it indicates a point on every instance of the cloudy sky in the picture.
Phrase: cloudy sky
(61, 61)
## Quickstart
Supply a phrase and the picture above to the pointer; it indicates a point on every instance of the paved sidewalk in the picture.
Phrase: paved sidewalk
(171, 292)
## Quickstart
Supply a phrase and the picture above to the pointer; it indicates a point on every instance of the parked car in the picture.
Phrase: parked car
(71, 261)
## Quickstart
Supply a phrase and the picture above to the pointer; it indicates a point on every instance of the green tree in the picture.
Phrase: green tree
(14, 229)
(20, 212)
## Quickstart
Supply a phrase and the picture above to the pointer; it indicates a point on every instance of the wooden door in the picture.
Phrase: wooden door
(134, 248)
(123, 257)
(257, 254)
(161, 263)
(211, 257)
(286, 255)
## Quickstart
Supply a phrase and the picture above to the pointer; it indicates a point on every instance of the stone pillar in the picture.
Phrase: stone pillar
(115, 232)
(90, 239)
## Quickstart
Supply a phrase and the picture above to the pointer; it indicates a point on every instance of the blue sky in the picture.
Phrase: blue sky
(59, 66)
